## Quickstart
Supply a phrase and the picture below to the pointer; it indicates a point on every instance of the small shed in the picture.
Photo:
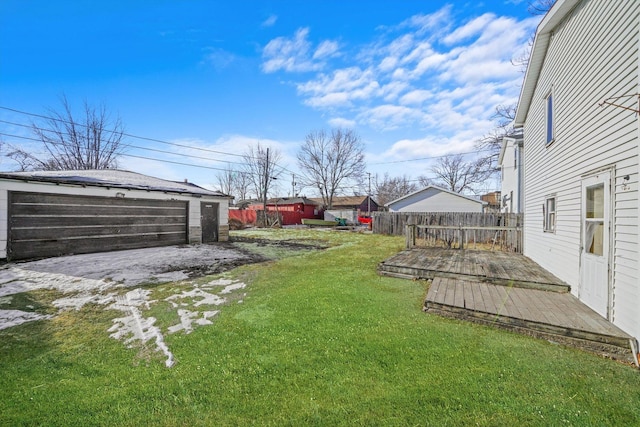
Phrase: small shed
(435, 199)
(52, 213)
(291, 209)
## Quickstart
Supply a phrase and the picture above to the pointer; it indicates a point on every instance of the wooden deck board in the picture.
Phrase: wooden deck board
(490, 266)
(507, 290)
(549, 312)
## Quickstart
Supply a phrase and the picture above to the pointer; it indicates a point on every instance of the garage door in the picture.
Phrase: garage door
(43, 225)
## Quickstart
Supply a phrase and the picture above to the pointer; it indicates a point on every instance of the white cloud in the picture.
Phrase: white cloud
(429, 75)
(433, 22)
(416, 97)
(219, 58)
(294, 54)
(270, 21)
(326, 49)
(472, 28)
(392, 90)
(340, 88)
(340, 122)
(288, 54)
(389, 117)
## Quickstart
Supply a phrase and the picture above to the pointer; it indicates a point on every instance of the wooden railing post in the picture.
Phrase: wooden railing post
(410, 235)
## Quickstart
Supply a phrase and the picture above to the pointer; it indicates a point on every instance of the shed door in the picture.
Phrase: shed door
(209, 221)
(44, 225)
(594, 254)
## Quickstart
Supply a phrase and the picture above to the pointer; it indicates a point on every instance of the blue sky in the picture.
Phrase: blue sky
(415, 79)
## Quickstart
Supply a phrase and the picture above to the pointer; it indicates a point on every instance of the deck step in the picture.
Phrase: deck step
(560, 318)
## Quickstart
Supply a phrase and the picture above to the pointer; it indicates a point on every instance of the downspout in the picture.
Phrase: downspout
(519, 175)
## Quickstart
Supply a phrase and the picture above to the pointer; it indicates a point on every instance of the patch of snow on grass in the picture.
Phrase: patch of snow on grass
(205, 298)
(9, 318)
(218, 282)
(79, 300)
(93, 278)
(234, 287)
(187, 318)
(135, 327)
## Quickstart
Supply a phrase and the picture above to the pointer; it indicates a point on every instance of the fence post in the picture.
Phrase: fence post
(410, 236)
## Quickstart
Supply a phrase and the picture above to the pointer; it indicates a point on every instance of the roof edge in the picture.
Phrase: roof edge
(437, 188)
(555, 16)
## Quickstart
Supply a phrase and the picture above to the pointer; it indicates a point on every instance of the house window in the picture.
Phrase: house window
(549, 211)
(549, 119)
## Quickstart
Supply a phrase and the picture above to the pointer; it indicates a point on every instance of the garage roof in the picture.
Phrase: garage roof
(111, 178)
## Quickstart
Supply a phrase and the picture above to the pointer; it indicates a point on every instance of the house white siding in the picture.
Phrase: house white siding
(511, 176)
(592, 56)
(433, 199)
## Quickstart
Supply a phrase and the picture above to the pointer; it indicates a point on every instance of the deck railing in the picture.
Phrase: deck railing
(503, 238)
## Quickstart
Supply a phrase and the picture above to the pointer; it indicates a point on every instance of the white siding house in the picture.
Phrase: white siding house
(578, 110)
(435, 199)
(512, 176)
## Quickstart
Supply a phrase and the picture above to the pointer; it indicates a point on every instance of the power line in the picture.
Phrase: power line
(122, 144)
(123, 133)
(430, 158)
(138, 157)
(136, 137)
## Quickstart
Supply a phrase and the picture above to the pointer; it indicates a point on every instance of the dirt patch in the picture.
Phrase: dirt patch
(288, 244)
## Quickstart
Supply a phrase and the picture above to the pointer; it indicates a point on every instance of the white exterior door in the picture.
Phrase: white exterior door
(594, 253)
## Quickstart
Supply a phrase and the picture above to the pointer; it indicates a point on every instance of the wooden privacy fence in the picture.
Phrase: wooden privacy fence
(453, 229)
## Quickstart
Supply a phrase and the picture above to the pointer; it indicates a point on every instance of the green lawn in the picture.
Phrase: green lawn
(319, 339)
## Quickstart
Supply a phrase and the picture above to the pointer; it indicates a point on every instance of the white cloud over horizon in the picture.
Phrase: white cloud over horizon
(429, 75)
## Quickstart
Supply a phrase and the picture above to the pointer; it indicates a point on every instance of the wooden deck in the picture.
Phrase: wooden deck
(500, 268)
(509, 291)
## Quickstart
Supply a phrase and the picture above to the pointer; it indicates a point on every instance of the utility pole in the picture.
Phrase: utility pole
(293, 185)
(265, 184)
(369, 196)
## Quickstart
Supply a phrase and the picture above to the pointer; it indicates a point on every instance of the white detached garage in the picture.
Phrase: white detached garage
(435, 199)
(51, 213)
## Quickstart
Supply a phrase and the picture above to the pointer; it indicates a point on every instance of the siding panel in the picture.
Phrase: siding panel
(42, 225)
(592, 56)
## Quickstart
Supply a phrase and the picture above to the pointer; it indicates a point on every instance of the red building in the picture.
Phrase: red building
(291, 209)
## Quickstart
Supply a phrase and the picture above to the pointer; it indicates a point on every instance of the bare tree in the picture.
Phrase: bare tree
(423, 181)
(92, 142)
(330, 161)
(226, 180)
(540, 7)
(453, 173)
(242, 185)
(392, 188)
(261, 169)
(492, 141)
